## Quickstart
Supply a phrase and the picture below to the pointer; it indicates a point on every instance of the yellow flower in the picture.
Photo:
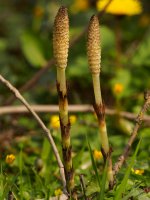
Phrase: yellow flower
(138, 171)
(54, 122)
(118, 88)
(58, 192)
(144, 20)
(10, 159)
(38, 11)
(79, 5)
(73, 119)
(97, 155)
(121, 7)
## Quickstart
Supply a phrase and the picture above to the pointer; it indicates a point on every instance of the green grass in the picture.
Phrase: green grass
(122, 186)
(35, 174)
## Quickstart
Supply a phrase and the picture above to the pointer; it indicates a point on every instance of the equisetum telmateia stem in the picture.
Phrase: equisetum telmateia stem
(94, 60)
(60, 47)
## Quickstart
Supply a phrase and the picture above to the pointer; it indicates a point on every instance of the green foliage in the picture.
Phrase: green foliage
(93, 187)
(32, 49)
(121, 188)
(108, 38)
(142, 57)
(94, 164)
(38, 175)
(123, 77)
(103, 182)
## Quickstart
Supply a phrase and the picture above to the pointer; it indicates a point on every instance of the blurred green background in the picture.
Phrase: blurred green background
(26, 45)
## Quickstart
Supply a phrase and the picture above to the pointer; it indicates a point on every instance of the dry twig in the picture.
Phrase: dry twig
(42, 125)
(17, 109)
(138, 123)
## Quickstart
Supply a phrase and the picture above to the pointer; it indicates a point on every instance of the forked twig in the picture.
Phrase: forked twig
(46, 132)
(138, 123)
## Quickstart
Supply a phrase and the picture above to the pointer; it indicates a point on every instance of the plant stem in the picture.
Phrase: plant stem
(61, 79)
(63, 102)
(60, 47)
(10, 195)
(98, 102)
(65, 128)
(97, 88)
(100, 112)
(94, 59)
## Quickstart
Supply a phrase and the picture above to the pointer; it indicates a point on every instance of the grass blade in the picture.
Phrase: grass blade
(93, 163)
(20, 171)
(103, 183)
(121, 188)
(45, 150)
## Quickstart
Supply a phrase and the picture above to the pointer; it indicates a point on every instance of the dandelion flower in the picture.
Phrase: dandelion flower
(54, 122)
(138, 171)
(79, 5)
(10, 158)
(118, 88)
(73, 119)
(118, 7)
(58, 192)
(97, 155)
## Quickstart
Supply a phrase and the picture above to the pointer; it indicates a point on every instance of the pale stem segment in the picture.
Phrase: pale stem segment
(63, 105)
(102, 126)
(97, 88)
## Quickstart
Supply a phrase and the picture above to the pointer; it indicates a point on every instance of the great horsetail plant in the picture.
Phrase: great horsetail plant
(60, 47)
(94, 60)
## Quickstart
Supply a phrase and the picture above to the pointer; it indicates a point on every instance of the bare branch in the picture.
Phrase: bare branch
(42, 125)
(138, 123)
(72, 108)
